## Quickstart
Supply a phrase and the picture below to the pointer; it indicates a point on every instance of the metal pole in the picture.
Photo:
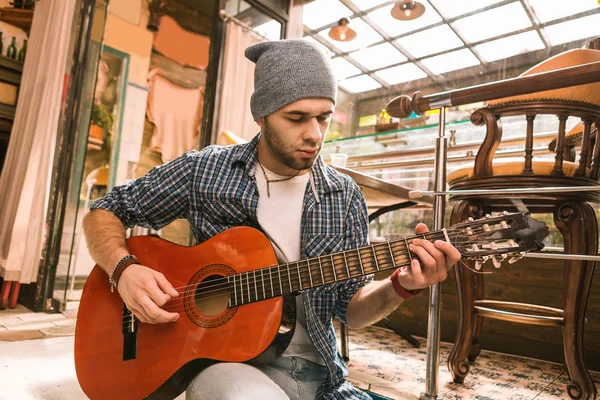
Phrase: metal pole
(435, 291)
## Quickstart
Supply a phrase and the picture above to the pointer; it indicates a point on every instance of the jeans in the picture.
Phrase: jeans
(288, 378)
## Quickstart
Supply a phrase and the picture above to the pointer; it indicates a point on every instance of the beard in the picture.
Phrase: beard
(283, 154)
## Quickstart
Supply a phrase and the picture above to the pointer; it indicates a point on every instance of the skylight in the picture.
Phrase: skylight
(549, 10)
(323, 12)
(431, 41)
(495, 22)
(378, 56)
(510, 46)
(360, 84)
(454, 8)
(343, 68)
(402, 73)
(450, 61)
(579, 28)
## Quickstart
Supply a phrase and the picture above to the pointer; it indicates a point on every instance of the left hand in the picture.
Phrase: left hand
(437, 259)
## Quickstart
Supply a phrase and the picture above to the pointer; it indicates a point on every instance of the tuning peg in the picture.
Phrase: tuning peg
(517, 257)
(470, 219)
(505, 212)
(469, 231)
(488, 215)
(497, 260)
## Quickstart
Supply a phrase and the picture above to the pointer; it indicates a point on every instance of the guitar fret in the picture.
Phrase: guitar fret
(271, 279)
(290, 278)
(234, 291)
(346, 264)
(408, 250)
(280, 285)
(362, 270)
(309, 273)
(333, 268)
(262, 278)
(299, 277)
(375, 257)
(321, 269)
(248, 284)
(392, 254)
(255, 285)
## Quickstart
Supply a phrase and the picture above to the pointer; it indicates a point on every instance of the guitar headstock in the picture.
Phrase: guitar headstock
(498, 237)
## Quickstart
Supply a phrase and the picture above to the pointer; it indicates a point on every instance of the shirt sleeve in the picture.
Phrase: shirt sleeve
(357, 235)
(154, 200)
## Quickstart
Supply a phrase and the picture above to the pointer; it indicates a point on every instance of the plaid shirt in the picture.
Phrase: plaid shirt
(215, 189)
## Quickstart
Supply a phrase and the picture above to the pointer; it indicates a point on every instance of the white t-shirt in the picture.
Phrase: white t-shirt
(280, 215)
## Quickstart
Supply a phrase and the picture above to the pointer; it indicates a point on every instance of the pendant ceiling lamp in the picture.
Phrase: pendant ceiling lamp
(407, 10)
(342, 32)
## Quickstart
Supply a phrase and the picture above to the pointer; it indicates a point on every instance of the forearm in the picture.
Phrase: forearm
(105, 238)
(372, 303)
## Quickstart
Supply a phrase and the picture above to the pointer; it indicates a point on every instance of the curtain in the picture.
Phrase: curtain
(238, 84)
(25, 178)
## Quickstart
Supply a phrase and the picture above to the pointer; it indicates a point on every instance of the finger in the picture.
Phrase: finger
(421, 228)
(426, 260)
(452, 254)
(166, 286)
(155, 314)
(432, 250)
(417, 273)
(138, 314)
(159, 297)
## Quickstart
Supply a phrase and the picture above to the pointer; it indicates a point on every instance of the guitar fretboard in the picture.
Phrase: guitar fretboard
(285, 279)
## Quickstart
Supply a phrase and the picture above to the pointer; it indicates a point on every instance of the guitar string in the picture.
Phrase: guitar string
(293, 274)
(432, 235)
(254, 281)
(353, 258)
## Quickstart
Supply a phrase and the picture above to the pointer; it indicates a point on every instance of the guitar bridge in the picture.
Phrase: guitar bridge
(130, 328)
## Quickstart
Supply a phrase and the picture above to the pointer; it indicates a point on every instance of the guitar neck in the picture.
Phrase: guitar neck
(286, 279)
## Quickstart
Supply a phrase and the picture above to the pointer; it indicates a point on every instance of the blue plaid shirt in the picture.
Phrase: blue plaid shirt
(215, 189)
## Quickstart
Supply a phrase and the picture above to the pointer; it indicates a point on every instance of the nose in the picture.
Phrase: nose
(313, 131)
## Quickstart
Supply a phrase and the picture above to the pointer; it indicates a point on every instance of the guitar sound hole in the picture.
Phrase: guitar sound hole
(212, 296)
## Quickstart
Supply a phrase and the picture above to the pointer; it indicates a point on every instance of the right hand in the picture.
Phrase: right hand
(144, 291)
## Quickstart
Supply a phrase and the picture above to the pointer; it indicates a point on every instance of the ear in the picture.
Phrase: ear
(261, 122)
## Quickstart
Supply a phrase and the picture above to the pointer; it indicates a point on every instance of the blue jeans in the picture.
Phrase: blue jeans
(288, 378)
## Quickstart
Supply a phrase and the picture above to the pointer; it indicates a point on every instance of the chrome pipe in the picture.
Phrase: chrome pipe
(555, 256)
(435, 291)
(415, 194)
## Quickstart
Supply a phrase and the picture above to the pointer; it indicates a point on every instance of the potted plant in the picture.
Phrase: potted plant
(102, 121)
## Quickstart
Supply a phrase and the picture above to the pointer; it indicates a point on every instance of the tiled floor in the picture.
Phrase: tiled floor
(36, 362)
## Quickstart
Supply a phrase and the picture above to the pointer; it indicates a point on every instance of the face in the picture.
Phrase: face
(292, 137)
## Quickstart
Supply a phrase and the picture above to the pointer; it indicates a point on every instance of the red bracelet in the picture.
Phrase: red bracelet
(404, 293)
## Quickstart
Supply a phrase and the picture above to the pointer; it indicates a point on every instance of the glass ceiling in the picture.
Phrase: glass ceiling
(451, 35)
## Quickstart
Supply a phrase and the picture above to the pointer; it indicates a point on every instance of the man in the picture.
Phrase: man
(279, 184)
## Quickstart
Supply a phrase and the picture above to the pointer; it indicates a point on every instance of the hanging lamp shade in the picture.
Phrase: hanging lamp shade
(407, 10)
(342, 32)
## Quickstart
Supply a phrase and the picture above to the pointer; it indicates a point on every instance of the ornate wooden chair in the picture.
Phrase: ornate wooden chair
(572, 212)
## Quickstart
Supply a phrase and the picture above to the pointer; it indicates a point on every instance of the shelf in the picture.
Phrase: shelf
(17, 17)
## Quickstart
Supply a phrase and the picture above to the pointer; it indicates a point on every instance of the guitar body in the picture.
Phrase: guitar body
(168, 356)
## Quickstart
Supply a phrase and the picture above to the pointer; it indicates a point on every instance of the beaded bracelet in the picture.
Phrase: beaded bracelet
(120, 266)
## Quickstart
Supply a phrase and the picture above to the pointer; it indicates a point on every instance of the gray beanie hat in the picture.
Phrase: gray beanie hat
(289, 70)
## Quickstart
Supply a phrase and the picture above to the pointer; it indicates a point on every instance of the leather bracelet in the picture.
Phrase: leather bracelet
(404, 293)
(120, 266)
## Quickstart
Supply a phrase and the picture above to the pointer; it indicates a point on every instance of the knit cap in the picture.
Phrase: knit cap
(287, 71)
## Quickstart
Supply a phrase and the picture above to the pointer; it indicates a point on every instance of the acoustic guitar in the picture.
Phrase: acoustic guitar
(236, 303)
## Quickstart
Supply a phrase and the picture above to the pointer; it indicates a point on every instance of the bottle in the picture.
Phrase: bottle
(23, 52)
(11, 52)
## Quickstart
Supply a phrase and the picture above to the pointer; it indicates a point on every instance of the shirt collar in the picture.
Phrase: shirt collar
(326, 181)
